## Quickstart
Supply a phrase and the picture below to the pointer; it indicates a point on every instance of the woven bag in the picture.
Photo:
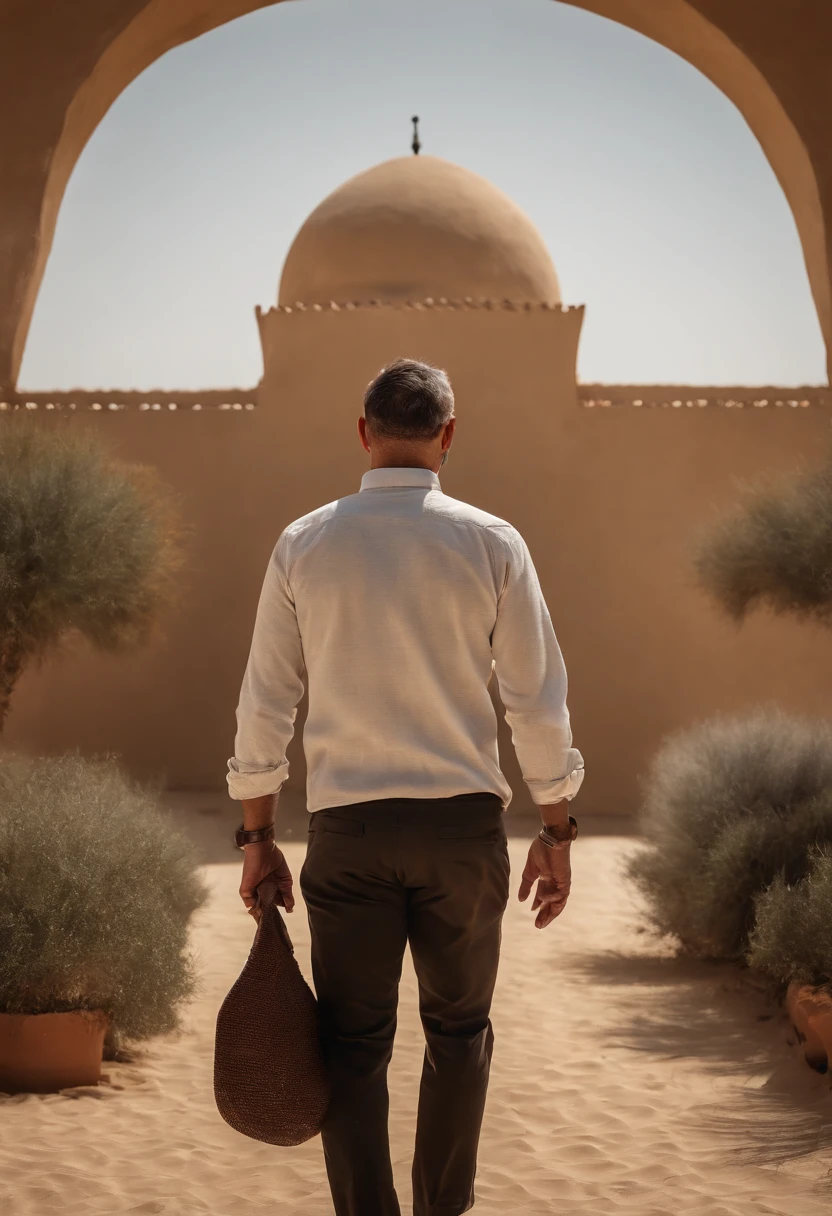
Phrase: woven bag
(269, 1076)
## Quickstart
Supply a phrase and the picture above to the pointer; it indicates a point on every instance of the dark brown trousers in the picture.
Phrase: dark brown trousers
(377, 875)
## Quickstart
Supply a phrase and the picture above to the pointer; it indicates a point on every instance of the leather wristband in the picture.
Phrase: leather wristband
(559, 835)
(245, 836)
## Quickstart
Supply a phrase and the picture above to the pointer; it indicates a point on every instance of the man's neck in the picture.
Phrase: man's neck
(402, 464)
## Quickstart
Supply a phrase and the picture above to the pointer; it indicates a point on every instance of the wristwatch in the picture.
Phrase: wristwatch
(559, 834)
(245, 836)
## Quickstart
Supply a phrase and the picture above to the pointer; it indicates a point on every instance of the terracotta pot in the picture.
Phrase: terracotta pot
(44, 1052)
(810, 1010)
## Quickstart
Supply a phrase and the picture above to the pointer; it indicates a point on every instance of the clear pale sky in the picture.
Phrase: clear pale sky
(654, 198)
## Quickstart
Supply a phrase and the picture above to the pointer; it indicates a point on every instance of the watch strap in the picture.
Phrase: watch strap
(244, 836)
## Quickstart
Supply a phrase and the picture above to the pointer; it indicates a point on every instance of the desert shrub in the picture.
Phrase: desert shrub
(87, 543)
(792, 936)
(728, 806)
(96, 890)
(775, 548)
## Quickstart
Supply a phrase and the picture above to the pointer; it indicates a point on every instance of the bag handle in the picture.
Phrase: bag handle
(269, 900)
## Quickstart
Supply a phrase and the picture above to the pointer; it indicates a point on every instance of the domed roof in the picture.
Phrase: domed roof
(413, 228)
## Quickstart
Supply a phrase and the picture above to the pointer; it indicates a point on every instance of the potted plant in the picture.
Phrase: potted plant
(96, 893)
(792, 942)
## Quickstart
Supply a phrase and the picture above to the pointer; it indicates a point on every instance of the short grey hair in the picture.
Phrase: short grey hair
(408, 400)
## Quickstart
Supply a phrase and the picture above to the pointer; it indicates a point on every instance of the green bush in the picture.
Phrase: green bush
(792, 937)
(87, 543)
(729, 805)
(96, 891)
(774, 549)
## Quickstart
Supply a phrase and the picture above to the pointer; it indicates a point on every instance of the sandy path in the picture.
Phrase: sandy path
(623, 1082)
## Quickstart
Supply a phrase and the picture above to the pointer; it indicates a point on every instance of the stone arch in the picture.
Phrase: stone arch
(753, 62)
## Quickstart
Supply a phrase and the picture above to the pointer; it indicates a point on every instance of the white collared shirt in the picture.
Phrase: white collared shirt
(398, 603)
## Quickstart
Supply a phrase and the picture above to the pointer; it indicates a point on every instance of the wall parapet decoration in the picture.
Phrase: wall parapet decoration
(469, 304)
(115, 400)
(590, 396)
(686, 396)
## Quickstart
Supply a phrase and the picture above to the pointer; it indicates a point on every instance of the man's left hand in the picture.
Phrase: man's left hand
(551, 869)
(259, 861)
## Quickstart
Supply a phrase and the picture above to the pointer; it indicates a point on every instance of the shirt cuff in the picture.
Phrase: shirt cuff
(543, 792)
(254, 780)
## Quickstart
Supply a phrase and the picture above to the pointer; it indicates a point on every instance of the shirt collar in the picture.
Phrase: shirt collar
(376, 479)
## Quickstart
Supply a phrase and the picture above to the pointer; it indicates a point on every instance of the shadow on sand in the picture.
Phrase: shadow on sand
(732, 1024)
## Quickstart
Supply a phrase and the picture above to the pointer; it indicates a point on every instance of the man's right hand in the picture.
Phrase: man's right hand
(551, 868)
(260, 860)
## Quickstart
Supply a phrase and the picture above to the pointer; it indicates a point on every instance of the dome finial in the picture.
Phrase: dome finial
(415, 145)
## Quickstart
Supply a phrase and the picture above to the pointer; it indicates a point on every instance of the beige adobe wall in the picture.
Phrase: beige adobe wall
(608, 499)
(647, 651)
(64, 65)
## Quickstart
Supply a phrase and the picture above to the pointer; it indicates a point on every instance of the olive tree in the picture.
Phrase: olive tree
(88, 543)
(774, 549)
(730, 804)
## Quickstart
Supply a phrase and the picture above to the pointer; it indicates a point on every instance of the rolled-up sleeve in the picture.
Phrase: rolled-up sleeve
(532, 678)
(272, 688)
